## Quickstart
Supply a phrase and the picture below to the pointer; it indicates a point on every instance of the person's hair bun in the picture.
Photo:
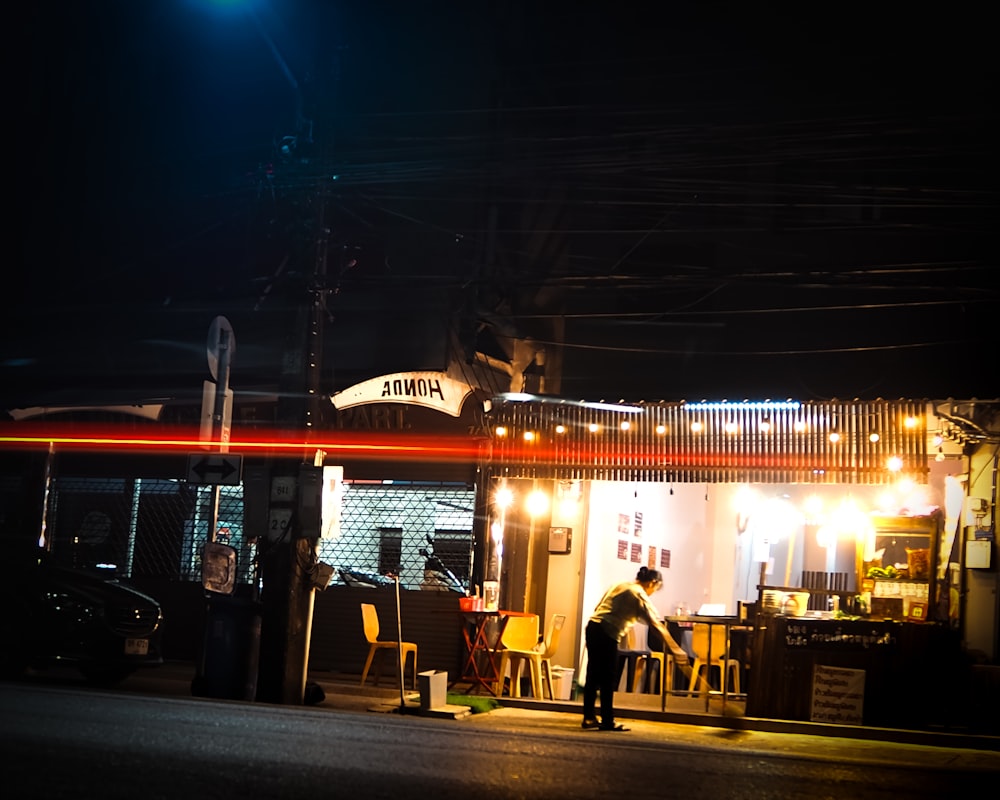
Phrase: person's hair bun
(647, 575)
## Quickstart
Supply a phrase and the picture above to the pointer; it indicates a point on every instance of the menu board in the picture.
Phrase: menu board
(838, 695)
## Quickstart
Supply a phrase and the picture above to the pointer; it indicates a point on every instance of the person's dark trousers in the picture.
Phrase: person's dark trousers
(602, 658)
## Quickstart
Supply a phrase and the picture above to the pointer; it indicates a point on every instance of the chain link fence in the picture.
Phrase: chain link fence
(146, 527)
(384, 527)
(157, 528)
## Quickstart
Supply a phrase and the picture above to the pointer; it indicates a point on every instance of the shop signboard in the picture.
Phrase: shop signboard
(836, 635)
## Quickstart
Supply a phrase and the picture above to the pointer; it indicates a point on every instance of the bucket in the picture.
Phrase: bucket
(795, 604)
(467, 603)
(562, 683)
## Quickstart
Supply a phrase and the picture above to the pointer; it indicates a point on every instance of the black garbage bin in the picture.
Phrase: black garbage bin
(227, 669)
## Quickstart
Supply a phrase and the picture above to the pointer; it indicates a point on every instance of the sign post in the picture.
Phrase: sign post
(216, 418)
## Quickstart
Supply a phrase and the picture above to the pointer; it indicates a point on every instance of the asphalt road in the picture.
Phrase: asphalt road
(62, 742)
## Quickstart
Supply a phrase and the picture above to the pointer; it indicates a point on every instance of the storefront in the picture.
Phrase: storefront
(729, 500)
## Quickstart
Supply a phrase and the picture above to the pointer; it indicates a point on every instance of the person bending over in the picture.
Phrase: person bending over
(621, 607)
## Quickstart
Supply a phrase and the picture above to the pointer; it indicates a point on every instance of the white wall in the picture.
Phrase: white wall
(711, 559)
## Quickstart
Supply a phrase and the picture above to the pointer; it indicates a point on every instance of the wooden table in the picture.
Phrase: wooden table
(480, 668)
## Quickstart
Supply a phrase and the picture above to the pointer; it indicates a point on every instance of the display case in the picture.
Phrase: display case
(898, 571)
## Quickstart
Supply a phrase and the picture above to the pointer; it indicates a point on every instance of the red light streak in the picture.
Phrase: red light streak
(336, 443)
(393, 445)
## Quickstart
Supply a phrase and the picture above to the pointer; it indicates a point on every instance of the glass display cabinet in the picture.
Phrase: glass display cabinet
(898, 571)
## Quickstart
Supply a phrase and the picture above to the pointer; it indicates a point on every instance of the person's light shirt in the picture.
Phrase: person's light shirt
(621, 607)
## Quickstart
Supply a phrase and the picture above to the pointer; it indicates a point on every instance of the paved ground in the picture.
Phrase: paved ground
(640, 712)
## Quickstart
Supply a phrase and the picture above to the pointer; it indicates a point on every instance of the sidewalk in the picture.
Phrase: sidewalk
(344, 692)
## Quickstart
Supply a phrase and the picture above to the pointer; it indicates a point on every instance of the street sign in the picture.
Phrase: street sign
(214, 469)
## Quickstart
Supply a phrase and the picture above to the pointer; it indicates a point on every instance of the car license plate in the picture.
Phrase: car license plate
(136, 647)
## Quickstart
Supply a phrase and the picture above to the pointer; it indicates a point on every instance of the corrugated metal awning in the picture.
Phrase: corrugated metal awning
(857, 442)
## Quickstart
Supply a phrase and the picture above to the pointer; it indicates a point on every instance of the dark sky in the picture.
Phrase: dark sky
(709, 200)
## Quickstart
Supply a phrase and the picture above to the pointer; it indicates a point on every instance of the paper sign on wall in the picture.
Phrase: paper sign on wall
(838, 695)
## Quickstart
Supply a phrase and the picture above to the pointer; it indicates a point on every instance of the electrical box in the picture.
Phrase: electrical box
(976, 510)
(560, 540)
(978, 554)
(310, 501)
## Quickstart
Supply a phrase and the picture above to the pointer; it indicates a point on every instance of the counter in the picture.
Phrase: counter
(887, 673)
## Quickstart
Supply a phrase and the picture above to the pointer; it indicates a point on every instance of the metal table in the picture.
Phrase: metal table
(689, 621)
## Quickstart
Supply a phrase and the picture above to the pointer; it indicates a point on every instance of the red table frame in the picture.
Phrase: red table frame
(479, 648)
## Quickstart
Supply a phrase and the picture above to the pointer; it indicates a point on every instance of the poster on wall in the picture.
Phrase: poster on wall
(636, 554)
(638, 524)
(665, 559)
(651, 558)
(622, 549)
(624, 525)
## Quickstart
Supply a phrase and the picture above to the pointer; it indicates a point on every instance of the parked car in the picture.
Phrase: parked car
(51, 614)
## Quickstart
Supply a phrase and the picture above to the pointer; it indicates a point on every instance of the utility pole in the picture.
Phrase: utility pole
(289, 561)
(289, 565)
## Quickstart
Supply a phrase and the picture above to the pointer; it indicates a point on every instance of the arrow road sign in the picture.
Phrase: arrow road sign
(222, 469)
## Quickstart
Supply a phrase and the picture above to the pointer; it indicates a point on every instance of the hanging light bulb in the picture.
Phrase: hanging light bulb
(940, 455)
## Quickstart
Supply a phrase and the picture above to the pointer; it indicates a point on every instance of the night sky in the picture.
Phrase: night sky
(705, 200)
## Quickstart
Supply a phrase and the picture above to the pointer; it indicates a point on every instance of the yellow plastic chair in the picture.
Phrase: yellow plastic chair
(519, 636)
(720, 656)
(538, 658)
(369, 616)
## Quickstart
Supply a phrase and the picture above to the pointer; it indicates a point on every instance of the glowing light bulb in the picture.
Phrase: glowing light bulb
(537, 503)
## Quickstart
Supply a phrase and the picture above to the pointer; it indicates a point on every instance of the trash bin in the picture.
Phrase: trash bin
(562, 683)
(227, 669)
(433, 689)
